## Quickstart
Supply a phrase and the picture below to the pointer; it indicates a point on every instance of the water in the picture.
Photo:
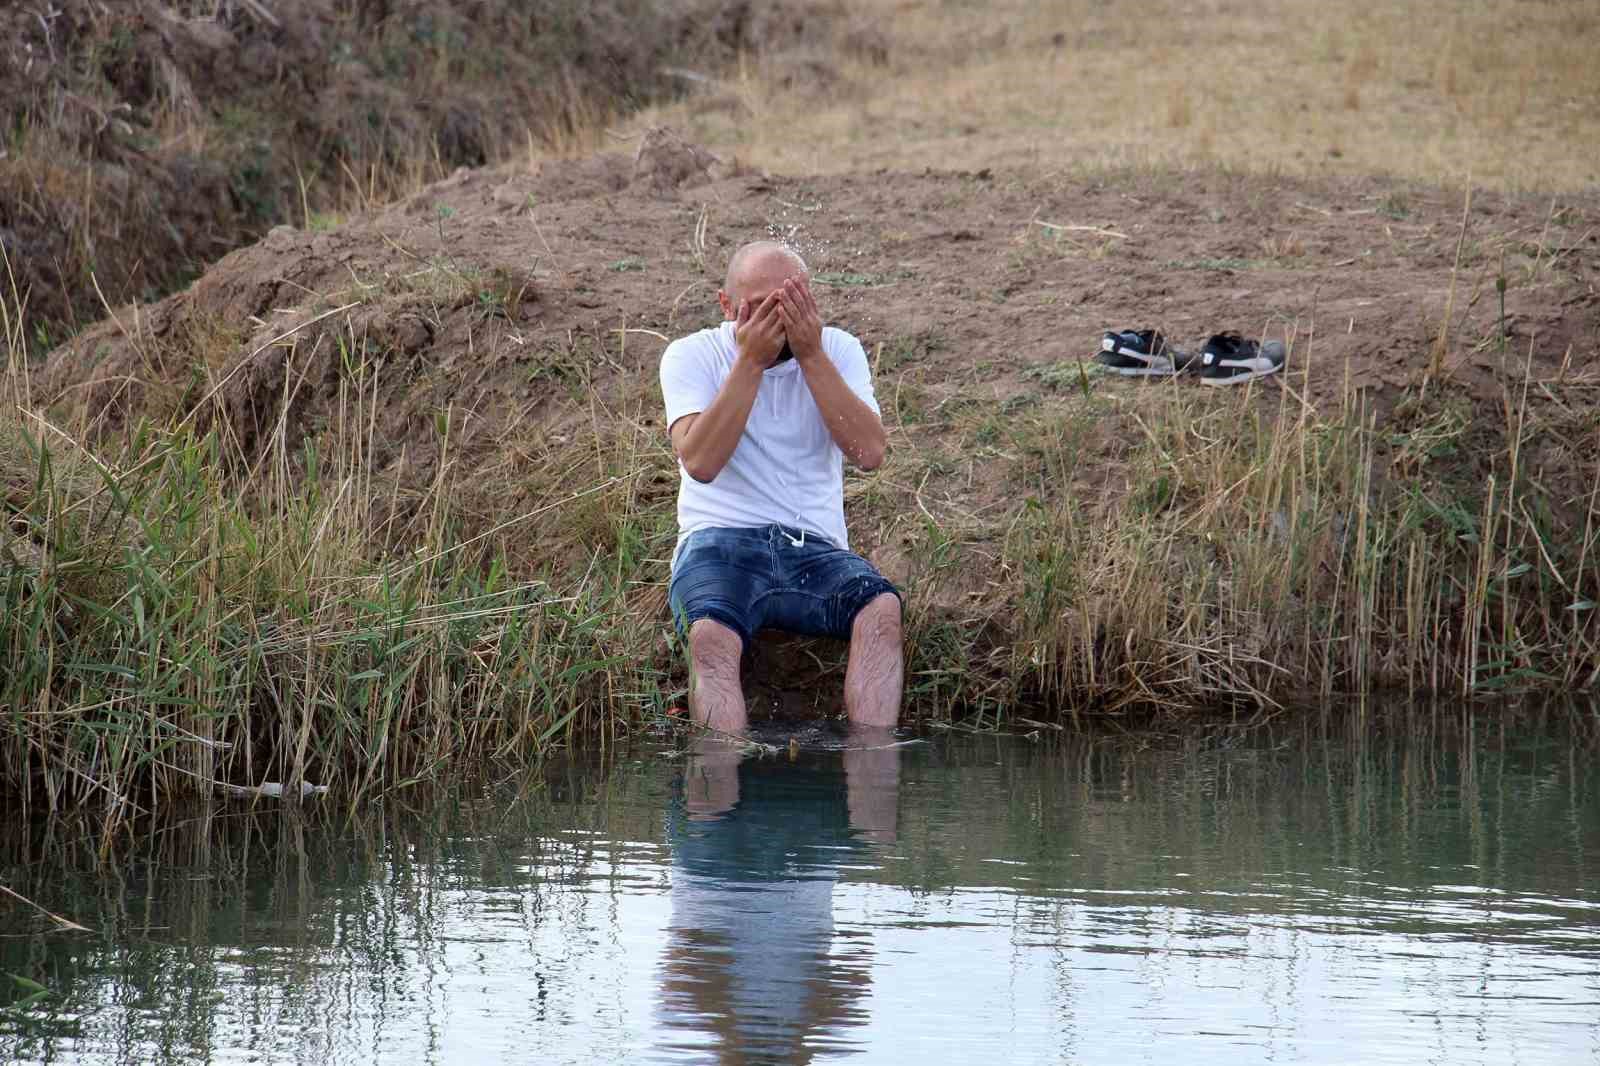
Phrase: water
(1421, 889)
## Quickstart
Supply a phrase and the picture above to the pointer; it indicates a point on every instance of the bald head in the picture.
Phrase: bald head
(758, 268)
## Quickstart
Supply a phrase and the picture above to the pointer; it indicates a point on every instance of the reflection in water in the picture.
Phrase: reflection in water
(1328, 889)
(751, 967)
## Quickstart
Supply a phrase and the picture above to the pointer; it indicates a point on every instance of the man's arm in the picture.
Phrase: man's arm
(706, 441)
(853, 424)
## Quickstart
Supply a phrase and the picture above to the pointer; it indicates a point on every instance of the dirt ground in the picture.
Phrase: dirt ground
(1500, 94)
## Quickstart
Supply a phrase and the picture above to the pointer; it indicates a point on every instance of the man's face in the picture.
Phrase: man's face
(756, 281)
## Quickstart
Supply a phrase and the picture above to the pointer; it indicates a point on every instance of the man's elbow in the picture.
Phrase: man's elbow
(871, 456)
(701, 471)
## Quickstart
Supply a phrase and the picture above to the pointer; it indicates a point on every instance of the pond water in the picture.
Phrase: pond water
(1418, 888)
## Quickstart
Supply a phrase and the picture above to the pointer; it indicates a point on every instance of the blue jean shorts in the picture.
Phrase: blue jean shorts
(771, 577)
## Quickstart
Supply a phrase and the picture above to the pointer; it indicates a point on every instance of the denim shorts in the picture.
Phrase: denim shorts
(771, 577)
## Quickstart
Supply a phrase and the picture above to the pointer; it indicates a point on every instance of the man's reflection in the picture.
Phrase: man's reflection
(751, 971)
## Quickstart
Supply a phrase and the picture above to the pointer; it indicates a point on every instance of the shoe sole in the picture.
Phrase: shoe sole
(1147, 367)
(1249, 375)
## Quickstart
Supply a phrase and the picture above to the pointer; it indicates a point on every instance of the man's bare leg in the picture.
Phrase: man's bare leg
(716, 700)
(873, 680)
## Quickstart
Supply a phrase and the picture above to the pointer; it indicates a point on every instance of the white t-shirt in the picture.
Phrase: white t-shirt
(786, 469)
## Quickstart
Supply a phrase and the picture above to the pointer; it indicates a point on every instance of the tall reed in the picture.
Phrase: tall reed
(199, 604)
(179, 615)
(1265, 554)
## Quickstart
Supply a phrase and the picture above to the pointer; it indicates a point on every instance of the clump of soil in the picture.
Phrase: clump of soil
(149, 138)
(666, 160)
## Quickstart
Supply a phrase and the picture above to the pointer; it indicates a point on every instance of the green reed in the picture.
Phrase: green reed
(179, 617)
(1263, 555)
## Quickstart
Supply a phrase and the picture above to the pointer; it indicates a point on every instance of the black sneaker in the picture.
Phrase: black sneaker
(1229, 359)
(1140, 353)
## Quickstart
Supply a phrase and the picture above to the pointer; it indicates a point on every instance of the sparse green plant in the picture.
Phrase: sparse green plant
(1433, 436)
(1065, 374)
(909, 403)
(1218, 263)
(1396, 206)
(844, 279)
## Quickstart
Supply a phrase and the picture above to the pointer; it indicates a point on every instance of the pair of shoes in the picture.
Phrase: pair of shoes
(1225, 359)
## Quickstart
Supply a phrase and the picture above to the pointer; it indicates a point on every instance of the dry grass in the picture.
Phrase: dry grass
(1167, 546)
(1505, 93)
(186, 609)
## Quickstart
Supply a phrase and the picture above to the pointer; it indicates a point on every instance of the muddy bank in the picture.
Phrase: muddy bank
(529, 308)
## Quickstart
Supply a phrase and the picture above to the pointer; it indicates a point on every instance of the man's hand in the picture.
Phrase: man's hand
(758, 331)
(802, 322)
(705, 441)
(854, 427)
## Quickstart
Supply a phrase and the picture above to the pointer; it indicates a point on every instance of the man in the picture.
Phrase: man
(763, 410)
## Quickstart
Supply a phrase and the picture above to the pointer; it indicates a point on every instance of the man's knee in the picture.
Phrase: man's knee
(714, 646)
(879, 620)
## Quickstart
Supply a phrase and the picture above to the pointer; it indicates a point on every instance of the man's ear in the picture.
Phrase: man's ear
(727, 304)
